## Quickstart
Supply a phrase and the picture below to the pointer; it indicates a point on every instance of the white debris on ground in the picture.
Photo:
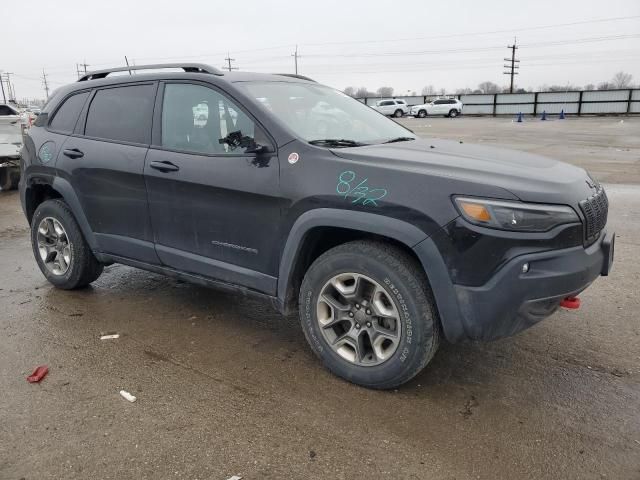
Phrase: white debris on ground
(110, 336)
(127, 396)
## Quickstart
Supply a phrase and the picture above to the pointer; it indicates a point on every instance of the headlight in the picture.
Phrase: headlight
(514, 216)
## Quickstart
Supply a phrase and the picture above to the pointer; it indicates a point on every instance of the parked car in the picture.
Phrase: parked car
(11, 124)
(394, 108)
(449, 107)
(381, 242)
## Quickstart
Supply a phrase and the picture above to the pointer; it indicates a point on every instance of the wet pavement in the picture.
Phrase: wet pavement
(226, 386)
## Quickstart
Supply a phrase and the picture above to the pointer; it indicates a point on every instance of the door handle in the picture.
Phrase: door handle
(73, 153)
(164, 166)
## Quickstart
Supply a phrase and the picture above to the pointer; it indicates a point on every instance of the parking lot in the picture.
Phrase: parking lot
(226, 386)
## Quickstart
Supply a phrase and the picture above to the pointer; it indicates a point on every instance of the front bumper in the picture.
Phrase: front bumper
(512, 301)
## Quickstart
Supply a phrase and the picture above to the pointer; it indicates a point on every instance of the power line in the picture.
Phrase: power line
(489, 32)
(513, 67)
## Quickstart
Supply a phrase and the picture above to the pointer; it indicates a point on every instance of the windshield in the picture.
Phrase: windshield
(317, 113)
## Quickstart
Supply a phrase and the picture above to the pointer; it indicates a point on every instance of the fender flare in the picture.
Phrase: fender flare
(401, 231)
(64, 188)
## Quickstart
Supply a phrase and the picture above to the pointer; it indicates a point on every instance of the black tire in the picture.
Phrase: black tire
(398, 113)
(453, 113)
(84, 268)
(14, 178)
(422, 113)
(405, 282)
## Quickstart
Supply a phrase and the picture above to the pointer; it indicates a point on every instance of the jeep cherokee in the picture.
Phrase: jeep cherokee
(280, 187)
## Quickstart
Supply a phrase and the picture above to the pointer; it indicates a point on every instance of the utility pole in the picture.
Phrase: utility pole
(229, 60)
(513, 67)
(4, 98)
(295, 57)
(45, 83)
(10, 90)
(85, 65)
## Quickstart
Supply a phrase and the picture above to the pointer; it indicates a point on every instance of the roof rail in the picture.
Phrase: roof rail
(187, 67)
(295, 75)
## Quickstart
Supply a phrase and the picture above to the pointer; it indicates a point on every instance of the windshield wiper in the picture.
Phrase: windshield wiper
(400, 139)
(336, 142)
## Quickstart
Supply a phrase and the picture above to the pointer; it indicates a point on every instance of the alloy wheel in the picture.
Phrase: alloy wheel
(54, 246)
(359, 319)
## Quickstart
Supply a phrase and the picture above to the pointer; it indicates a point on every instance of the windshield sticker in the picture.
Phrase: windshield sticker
(351, 186)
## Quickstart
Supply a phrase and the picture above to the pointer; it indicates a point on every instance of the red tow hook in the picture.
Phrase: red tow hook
(570, 302)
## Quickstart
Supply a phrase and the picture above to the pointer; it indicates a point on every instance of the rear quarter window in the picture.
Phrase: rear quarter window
(122, 114)
(66, 116)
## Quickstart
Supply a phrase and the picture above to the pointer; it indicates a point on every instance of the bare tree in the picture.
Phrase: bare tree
(385, 91)
(362, 92)
(443, 91)
(428, 90)
(488, 87)
(605, 86)
(464, 91)
(351, 91)
(589, 86)
(621, 80)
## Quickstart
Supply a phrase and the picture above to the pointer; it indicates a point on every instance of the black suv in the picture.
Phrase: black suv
(278, 186)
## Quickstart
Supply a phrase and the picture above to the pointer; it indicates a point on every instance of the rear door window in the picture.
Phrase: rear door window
(122, 114)
(66, 116)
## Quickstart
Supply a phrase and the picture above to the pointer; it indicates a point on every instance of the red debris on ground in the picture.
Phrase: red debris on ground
(38, 374)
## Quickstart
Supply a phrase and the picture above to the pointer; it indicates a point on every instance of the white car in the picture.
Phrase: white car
(12, 123)
(449, 107)
(394, 108)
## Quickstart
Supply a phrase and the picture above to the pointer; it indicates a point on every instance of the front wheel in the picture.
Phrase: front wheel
(422, 113)
(366, 311)
(61, 251)
(397, 113)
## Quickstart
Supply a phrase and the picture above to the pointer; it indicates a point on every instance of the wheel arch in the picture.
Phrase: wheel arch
(39, 189)
(318, 230)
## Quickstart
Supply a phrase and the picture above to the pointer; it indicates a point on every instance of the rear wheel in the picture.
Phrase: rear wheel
(397, 113)
(453, 113)
(422, 113)
(60, 250)
(366, 311)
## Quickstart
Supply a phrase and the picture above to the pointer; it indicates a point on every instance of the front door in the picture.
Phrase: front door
(214, 207)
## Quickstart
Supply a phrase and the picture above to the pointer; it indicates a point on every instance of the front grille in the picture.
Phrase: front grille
(595, 209)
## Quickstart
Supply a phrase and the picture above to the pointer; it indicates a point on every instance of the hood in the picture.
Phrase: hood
(530, 177)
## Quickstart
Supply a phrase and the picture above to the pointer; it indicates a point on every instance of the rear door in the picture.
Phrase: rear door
(214, 206)
(104, 161)
(439, 107)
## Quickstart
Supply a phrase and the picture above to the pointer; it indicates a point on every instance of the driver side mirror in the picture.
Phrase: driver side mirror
(259, 149)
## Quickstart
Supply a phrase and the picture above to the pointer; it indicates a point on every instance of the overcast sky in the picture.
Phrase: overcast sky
(403, 44)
